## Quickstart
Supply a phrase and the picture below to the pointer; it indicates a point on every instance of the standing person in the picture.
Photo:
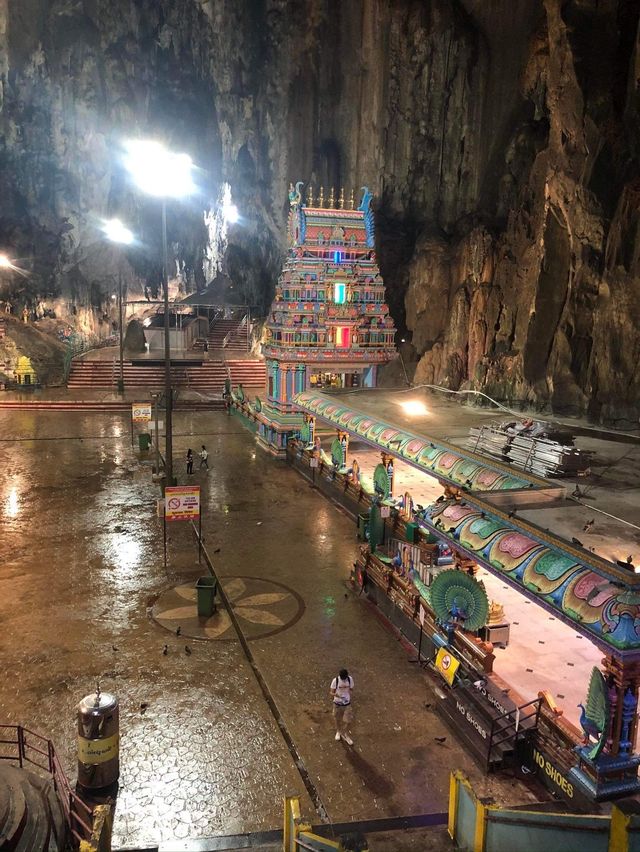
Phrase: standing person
(189, 461)
(204, 455)
(340, 691)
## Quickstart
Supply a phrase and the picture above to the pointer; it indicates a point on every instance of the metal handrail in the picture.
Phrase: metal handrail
(78, 815)
(233, 332)
(512, 722)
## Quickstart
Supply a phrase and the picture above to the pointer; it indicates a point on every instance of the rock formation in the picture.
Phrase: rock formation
(501, 139)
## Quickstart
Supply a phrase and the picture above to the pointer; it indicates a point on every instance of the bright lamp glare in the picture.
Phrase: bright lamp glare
(7, 263)
(230, 213)
(115, 231)
(158, 171)
(414, 407)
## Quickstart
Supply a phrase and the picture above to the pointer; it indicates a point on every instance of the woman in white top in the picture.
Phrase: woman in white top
(340, 691)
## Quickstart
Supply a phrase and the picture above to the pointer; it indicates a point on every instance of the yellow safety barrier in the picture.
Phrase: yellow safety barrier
(475, 826)
(298, 835)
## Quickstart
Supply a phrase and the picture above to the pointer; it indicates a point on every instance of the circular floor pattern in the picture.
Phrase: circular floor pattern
(262, 607)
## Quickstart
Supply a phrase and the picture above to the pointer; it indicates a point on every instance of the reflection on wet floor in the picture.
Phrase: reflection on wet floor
(80, 571)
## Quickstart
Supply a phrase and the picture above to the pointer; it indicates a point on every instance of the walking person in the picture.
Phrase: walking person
(204, 456)
(340, 691)
(189, 461)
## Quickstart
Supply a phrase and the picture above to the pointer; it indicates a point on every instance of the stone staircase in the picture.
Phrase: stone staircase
(229, 335)
(249, 373)
(206, 377)
(31, 819)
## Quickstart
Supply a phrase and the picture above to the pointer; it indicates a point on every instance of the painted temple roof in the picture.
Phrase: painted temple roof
(438, 458)
(329, 303)
(598, 598)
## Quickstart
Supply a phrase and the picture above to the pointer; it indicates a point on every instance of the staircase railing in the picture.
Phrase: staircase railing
(234, 331)
(80, 343)
(509, 726)
(29, 747)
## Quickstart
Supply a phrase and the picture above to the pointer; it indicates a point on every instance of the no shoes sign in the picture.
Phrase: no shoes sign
(141, 412)
(182, 502)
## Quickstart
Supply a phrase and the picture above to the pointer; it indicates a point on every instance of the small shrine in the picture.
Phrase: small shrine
(329, 325)
(24, 374)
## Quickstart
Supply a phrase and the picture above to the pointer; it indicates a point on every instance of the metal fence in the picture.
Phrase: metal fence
(21, 745)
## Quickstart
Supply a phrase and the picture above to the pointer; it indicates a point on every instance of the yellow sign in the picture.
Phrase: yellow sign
(447, 665)
(141, 412)
(97, 751)
(182, 502)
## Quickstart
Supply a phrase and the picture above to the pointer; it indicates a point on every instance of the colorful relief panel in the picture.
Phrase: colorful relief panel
(436, 458)
(609, 613)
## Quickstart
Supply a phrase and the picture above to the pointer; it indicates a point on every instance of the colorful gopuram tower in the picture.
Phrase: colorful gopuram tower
(329, 325)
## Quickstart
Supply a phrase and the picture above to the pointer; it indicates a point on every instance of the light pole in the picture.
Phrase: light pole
(115, 231)
(163, 174)
(155, 397)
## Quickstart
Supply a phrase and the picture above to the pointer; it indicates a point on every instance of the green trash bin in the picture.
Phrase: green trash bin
(206, 594)
(363, 523)
(144, 440)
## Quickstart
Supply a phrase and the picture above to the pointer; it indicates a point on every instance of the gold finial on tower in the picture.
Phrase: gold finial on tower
(321, 197)
(310, 197)
(341, 199)
(331, 199)
(352, 199)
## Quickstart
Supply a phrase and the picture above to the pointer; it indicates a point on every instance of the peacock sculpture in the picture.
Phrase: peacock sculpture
(381, 482)
(594, 718)
(458, 598)
(337, 456)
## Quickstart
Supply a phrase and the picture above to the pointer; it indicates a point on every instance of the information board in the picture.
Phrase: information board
(182, 502)
(141, 412)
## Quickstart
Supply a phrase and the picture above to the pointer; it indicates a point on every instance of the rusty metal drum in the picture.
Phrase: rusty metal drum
(98, 740)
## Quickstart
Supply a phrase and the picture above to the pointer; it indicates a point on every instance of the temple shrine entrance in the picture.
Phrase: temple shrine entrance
(329, 379)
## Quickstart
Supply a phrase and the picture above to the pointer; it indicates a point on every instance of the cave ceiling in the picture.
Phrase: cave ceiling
(500, 138)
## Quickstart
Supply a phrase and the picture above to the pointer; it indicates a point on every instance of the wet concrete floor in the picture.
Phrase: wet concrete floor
(81, 568)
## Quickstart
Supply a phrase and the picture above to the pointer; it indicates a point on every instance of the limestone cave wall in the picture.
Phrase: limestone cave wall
(501, 140)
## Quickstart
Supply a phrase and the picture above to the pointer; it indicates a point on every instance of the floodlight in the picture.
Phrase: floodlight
(158, 171)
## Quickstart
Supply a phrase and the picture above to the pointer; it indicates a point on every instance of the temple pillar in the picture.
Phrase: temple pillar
(623, 679)
(612, 771)
(310, 420)
(300, 378)
(387, 461)
(344, 443)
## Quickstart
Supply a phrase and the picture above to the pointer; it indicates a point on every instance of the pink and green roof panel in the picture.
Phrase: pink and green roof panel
(584, 590)
(435, 457)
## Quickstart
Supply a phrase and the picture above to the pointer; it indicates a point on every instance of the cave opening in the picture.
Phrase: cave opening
(552, 288)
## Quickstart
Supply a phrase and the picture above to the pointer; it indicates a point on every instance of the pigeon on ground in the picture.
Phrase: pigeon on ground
(143, 706)
(588, 525)
(187, 650)
(113, 648)
(178, 630)
(577, 542)
(165, 650)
